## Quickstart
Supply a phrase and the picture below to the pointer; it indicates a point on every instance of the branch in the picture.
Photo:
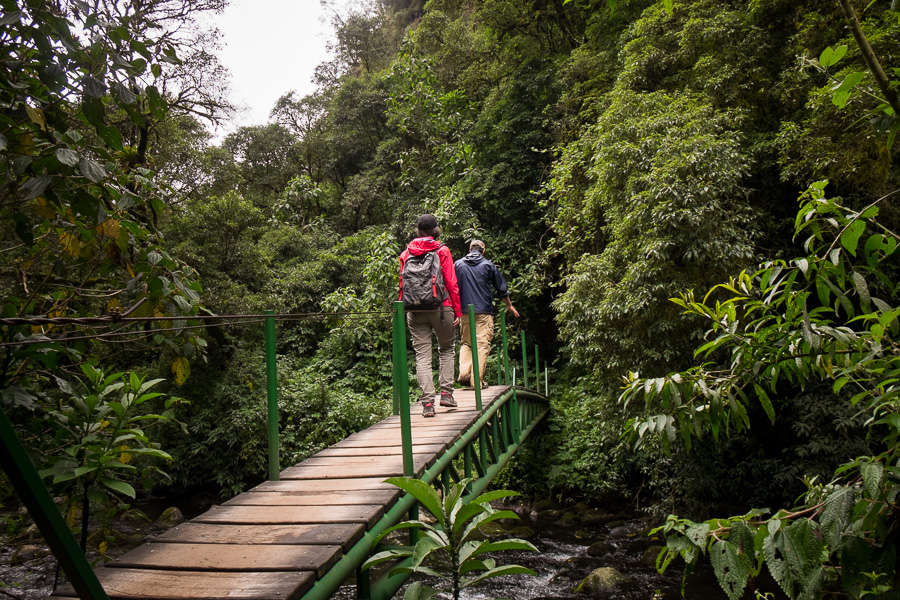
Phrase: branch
(869, 56)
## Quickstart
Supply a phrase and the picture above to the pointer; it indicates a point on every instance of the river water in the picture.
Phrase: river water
(568, 552)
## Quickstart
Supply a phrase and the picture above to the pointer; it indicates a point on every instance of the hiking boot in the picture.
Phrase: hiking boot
(428, 409)
(447, 399)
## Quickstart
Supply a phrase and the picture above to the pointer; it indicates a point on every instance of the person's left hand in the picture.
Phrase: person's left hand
(456, 322)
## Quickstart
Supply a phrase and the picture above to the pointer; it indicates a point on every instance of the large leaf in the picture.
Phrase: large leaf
(497, 572)
(421, 491)
(731, 568)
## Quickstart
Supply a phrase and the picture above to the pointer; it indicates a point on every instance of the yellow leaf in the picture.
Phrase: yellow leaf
(70, 244)
(182, 369)
(102, 548)
(37, 116)
(108, 228)
(162, 324)
(45, 209)
(124, 457)
(104, 424)
(130, 270)
(72, 515)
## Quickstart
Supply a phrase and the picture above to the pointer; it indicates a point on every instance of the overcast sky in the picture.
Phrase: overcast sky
(271, 47)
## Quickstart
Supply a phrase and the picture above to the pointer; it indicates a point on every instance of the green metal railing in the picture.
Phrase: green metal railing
(483, 450)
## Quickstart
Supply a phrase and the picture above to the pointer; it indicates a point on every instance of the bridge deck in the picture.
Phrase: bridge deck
(275, 540)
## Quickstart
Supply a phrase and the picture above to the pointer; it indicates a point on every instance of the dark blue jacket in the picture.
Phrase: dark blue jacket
(478, 278)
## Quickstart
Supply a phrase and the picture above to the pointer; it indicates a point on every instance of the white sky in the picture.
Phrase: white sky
(271, 47)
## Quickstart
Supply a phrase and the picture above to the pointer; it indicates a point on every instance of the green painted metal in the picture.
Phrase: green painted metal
(387, 586)
(476, 374)
(499, 362)
(272, 398)
(524, 361)
(537, 370)
(505, 347)
(401, 384)
(34, 495)
(384, 588)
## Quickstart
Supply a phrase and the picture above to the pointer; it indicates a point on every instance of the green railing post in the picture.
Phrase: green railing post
(272, 396)
(499, 373)
(34, 495)
(524, 362)
(401, 386)
(537, 369)
(505, 346)
(476, 369)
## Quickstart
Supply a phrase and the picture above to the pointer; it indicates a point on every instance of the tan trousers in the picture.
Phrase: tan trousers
(484, 333)
(421, 326)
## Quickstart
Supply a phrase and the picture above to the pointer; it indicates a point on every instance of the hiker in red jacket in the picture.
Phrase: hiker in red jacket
(439, 294)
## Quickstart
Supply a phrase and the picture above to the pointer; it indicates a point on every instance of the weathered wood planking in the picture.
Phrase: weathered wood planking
(383, 497)
(367, 514)
(230, 557)
(145, 584)
(344, 534)
(275, 540)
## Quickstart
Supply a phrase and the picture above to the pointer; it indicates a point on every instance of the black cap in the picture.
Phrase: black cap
(426, 222)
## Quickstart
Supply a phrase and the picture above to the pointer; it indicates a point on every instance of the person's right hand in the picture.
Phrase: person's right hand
(513, 311)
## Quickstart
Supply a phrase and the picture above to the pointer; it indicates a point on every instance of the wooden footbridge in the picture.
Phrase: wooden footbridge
(305, 532)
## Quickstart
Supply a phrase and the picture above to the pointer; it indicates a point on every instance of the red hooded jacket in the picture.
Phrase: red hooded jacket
(422, 245)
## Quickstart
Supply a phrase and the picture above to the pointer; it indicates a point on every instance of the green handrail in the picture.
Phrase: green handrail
(524, 361)
(401, 384)
(272, 397)
(473, 340)
(34, 495)
(537, 370)
(505, 347)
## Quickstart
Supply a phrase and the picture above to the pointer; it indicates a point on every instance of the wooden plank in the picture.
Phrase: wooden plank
(367, 514)
(381, 466)
(383, 497)
(322, 485)
(230, 557)
(378, 450)
(141, 584)
(327, 472)
(344, 534)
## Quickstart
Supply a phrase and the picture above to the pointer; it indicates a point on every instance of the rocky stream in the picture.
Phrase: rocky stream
(583, 552)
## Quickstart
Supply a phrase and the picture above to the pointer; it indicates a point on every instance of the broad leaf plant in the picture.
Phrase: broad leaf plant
(450, 549)
(829, 316)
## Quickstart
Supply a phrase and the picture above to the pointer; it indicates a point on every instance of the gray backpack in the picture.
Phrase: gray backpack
(423, 282)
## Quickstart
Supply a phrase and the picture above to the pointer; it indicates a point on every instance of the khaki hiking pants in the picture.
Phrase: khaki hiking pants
(421, 325)
(484, 333)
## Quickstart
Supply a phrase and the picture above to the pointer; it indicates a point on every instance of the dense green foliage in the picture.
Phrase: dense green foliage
(612, 155)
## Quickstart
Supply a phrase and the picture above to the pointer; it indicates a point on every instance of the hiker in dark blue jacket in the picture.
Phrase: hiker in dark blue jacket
(478, 279)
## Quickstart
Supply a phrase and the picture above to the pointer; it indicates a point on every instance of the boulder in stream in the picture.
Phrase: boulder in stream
(602, 581)
(170, 518)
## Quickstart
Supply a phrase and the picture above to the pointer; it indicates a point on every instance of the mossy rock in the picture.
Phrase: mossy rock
(649, 556)
(602, 581)
(493, 530)
(596, 517)
(600, 548)
(170, 518)
(134, 516)
(566, 519)
(523, 532)
(583, 534)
